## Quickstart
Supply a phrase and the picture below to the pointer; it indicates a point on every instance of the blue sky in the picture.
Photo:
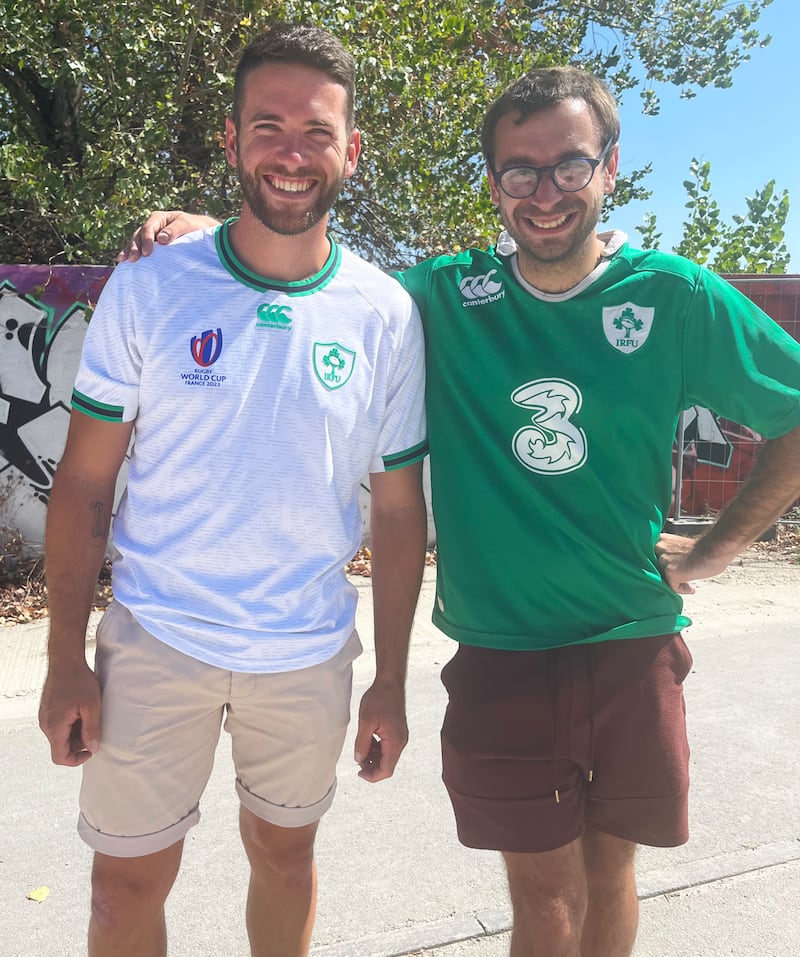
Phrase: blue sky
(750, 133)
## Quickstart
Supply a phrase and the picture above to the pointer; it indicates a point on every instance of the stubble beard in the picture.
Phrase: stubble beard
(558, 252)
(287, 222)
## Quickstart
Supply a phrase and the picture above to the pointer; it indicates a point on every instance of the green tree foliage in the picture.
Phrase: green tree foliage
(110, 109)
(753, 243)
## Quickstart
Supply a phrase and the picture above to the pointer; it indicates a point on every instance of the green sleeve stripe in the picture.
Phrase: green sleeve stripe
(399, 459)
(97, 410)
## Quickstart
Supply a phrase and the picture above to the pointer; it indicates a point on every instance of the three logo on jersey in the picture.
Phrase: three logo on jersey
(332, 362)
(552, 443)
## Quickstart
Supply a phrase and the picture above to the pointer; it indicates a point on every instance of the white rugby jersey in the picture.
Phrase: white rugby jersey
(259, 408)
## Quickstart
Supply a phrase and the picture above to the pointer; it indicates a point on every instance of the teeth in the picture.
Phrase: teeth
(291, 185)
(550, 224)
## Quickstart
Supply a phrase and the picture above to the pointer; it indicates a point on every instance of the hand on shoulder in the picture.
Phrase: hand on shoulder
(162, 227)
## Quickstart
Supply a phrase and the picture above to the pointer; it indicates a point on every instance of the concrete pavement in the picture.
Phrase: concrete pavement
(393, 878)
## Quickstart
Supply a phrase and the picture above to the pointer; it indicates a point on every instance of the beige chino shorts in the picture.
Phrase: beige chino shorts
(160, 721)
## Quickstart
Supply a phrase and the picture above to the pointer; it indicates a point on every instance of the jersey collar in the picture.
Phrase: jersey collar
(242, 274)
(613, 241)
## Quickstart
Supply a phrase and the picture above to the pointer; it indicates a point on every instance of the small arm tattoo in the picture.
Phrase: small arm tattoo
(99, 522)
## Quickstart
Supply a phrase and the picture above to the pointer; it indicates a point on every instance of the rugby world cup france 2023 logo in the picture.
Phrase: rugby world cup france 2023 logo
(207, 347)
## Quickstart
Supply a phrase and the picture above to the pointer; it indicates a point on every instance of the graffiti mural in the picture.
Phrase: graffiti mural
(44, 312)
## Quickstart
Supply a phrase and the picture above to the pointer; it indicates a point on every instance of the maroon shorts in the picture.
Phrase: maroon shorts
(537, 744)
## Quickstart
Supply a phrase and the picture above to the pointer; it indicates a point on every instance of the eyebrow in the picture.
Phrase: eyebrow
(278, 118)
(563, 158)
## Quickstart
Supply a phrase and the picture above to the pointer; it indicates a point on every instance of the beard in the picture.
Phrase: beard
(287, 222)
(553, 251)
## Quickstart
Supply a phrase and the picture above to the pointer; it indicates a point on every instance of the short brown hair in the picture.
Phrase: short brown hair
(546, 87)
(297, 43)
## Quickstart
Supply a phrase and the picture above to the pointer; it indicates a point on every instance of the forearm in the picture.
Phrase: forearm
(772, 486)
(398, 530)
(398, 558)
(78, 521)
(770, 489)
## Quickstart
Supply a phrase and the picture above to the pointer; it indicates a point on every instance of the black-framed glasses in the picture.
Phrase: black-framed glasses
(570, 175)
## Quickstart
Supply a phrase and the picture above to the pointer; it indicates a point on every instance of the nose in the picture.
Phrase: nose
(290, 151)
(547, 193)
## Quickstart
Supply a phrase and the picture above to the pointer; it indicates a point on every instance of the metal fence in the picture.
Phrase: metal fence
(718, 454)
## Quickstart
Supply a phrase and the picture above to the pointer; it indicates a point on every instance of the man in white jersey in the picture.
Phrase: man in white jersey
(262, 371)
(564, 743)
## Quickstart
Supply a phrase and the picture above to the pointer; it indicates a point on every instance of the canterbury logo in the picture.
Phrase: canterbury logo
(273, 313)
(479, 287)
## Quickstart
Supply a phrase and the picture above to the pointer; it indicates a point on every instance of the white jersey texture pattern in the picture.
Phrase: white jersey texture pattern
(259, 409)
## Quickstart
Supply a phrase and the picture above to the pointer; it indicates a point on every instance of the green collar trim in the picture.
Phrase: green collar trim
(240, 272)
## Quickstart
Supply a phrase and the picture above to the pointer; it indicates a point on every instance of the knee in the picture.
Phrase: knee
(279, 852)
(550, 888)
(124, 892)
(609, 861)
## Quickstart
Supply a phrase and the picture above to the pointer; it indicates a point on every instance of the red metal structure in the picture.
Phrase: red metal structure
(717, 453)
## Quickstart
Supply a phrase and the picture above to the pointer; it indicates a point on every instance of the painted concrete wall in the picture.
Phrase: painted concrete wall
(44, 312)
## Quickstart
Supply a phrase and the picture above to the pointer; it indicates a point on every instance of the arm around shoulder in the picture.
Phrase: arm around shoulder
(162, 226)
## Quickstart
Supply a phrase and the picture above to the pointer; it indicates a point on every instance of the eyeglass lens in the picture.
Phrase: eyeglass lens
(569, 176)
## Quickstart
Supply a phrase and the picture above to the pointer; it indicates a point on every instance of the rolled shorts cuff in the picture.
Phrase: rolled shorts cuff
(140, 845)
(280, 814)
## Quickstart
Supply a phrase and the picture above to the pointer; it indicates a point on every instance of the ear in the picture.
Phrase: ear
(352, 153)
(610, 171)
(494, 189)
(231, 144)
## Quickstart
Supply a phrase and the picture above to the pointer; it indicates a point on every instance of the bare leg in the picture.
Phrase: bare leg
(549, 900)
(281, 903)
(613, 913)
(128, 895)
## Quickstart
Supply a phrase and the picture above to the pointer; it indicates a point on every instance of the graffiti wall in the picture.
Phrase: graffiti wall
(43, 316)
(44, 312)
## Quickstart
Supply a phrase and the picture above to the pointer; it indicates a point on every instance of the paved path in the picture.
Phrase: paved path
(393, 879)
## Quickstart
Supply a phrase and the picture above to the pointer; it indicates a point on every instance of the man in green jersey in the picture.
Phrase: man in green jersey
(558, 362)
(557, 365)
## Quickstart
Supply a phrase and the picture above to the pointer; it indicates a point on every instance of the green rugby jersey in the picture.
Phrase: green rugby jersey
(551, 420)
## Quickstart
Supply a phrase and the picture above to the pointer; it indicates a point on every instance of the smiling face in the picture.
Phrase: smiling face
(554, 231)
(291, 146)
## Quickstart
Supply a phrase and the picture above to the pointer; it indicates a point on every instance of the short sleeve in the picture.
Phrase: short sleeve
(107, 383)
(739, 362)
(402, 439)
